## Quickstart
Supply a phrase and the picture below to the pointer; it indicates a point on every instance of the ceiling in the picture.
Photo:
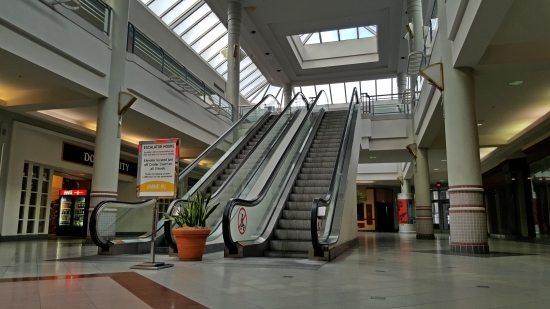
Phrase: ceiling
(273, 21)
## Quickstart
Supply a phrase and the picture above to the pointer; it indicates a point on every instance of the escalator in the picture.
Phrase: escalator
(223, 170)
(301, 209)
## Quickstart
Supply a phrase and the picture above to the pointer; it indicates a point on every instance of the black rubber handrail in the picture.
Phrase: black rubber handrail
(93, 222)
(226, 220)
(317, 249)
(168, 224)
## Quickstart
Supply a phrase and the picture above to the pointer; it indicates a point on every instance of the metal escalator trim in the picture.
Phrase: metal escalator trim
(169, 225)
(337, 174)
(226, 219)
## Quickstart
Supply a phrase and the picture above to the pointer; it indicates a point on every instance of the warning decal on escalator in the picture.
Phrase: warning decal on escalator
(242, 220)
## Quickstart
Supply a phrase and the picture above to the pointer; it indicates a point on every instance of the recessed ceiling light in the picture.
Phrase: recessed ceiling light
(81, 174)
(267, 54)
(278, 70)
(436, 169)
(515, 83)
(444, 160)
(442, 180)
(253, 32)
(372, 157)
(479, 124)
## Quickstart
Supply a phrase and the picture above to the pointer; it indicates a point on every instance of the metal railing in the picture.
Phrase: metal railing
(385, 104)
(143, 47)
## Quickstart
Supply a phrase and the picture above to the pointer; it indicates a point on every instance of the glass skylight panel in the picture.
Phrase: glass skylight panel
(215, 49)
(338, 93)
(249, 69)
(178, 10)
(209, 38)
(348, 34)
(314, 39)
(192, 19)
(222, 68)
(369, 87)
(329, 36)
(217, 60)
(349, 90)
(245, 62)
(200, 28)
(250, 78)
(364, 33)
(258, 95)
(160, 6)
(253, 85)
(304, 37)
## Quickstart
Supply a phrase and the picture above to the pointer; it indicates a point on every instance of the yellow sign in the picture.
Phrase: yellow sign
(158, 168)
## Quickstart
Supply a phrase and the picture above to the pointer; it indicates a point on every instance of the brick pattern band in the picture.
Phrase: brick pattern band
(468, 220)
(424, 222)
(107, 219)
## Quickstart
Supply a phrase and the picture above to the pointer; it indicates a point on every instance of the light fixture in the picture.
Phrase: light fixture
(442, 180)
(372, 157)
(81, 174)
(436, 169)
(444, 160)
(479, 124)
(515, 83)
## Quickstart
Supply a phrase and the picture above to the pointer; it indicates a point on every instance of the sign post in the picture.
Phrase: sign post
(157, 177)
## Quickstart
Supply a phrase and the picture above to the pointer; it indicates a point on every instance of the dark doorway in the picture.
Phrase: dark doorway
(384, 216)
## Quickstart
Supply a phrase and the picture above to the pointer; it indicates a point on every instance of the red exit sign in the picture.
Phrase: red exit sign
(74, 192)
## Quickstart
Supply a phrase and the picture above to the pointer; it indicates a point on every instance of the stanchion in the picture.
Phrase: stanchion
(153, 264)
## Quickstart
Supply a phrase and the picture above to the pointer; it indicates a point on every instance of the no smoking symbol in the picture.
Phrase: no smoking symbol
(242, 220)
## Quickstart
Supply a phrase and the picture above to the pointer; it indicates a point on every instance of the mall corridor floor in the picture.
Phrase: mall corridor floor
(383, 271)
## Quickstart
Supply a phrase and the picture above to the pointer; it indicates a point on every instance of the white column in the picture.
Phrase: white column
(423, 202)
(467, 212)
(287, 93)
(234, 16)
(401, 83)
(107, 143)
(414, 12)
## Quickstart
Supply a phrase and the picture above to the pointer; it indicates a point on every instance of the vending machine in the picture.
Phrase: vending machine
(73, 213)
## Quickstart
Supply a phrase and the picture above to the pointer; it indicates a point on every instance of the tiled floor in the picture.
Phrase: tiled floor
(384, 271)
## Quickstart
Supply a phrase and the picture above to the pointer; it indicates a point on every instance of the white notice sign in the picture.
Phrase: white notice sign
(158, 168)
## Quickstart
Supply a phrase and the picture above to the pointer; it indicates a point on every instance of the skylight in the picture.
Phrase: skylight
(195, 23)
(338, 35)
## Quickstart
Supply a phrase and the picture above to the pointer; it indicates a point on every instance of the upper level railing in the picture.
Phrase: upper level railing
(384, 104)
(96, 12)
(179, 77)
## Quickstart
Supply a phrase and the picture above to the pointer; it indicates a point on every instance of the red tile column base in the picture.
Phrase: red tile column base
(468, 220)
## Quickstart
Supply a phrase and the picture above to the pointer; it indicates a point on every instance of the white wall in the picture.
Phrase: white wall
(37, 145)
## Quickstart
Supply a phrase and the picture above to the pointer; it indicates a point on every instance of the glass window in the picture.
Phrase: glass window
(199, 29)
(326, 88)
(348, 34)
(222, 68)
(349, 90)
(250, 78)
(178, 10)
(303, 37)
(329, 36)
(159, 7)
(309, 92)
(368, 86)
(192, 19)
(338, 93)
(383, 86)
(273, 90)
(364, 33)
(209, 38)
(258, 95)
(245, 62)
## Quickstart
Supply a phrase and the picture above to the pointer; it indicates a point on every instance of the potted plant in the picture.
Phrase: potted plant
(192, 232)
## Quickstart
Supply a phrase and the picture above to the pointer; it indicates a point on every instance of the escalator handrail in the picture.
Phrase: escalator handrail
(93, 221)
(226, 219)
(168, 224)
(212, 146)
(317, 249)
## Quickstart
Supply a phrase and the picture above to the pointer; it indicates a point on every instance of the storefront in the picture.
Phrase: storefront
(41, 163)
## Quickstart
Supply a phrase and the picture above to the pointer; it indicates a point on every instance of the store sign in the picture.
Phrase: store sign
(158, 168)
(73, 192)
(77, 154)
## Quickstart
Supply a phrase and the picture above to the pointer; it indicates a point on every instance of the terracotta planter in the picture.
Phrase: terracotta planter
(190, 243)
